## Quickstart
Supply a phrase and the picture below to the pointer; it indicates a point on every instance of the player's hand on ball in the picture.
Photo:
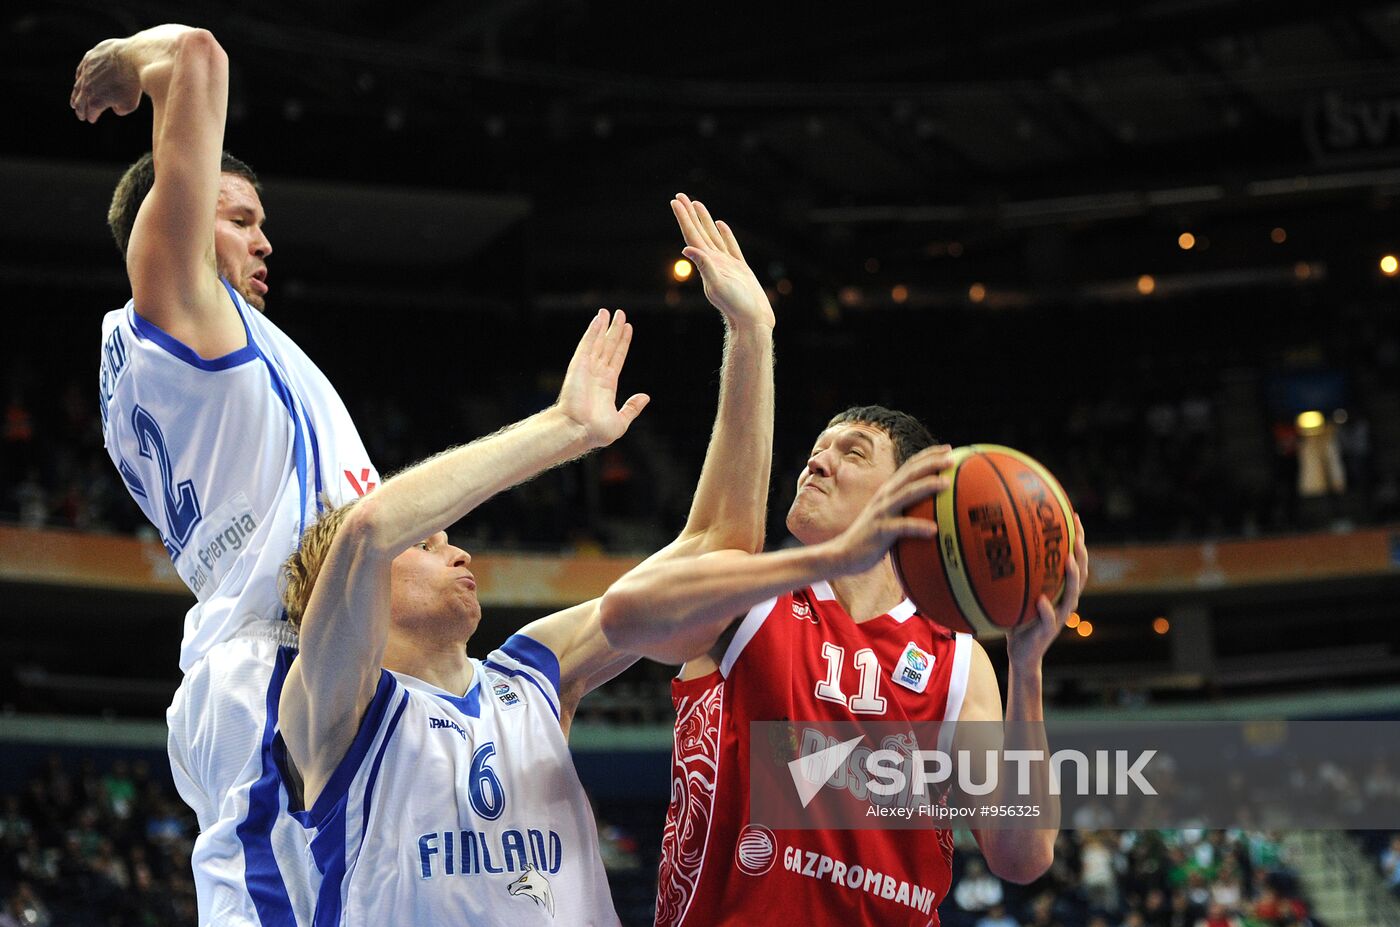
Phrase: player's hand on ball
(730, 285)
(105, 80)
(882, 522)
(1027, 644)
(589, 393)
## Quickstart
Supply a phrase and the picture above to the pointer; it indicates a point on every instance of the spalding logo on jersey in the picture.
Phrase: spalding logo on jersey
(508, 696)
(532, 884)
(914, 668)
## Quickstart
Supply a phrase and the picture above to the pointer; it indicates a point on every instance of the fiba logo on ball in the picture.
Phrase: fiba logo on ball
(756, 850)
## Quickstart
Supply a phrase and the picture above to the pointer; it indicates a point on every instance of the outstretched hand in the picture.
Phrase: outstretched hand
(106, 79)
(730, 285)
(1026, 645)
(589, 393)
(882, 522)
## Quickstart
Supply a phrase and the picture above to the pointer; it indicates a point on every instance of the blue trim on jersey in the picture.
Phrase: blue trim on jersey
(526, 650)
(329, 846)
(337, 787)
(284, 393)
(262, 876)
(468, 704)
(535, 655)
(316, 465)
(148, 331)
(374, 771)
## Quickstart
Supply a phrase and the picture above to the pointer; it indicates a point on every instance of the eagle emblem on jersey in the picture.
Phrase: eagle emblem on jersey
(533, 885)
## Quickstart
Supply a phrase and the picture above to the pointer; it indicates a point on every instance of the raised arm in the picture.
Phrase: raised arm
(170, 258)
(346, 624)
(731, 498)
(730, 506)
(674, 611)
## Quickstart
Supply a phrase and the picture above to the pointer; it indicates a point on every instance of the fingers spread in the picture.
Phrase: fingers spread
(913, 492)
(915, 528)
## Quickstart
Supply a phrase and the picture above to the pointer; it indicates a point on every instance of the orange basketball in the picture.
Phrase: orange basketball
(1005, 533)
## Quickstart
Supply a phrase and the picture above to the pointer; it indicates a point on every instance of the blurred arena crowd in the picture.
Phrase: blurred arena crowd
(89, 844)
(1198, 438)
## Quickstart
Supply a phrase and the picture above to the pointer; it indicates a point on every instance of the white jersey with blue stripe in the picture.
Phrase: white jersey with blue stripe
(228, 458)
(461, 810)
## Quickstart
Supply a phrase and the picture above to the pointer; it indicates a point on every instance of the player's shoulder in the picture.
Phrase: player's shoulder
(521, 671)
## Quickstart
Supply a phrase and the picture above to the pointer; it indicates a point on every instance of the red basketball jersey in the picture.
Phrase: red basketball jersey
(801, 657)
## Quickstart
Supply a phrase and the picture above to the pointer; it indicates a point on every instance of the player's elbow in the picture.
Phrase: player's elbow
(367, 529)
(619, 613)
(198, 49)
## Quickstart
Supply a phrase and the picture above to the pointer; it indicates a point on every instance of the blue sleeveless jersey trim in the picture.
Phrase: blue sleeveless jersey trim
(330, 845)
(337, 786)
(539, 658)
(149, 331)
(534, 655)
(262, 875)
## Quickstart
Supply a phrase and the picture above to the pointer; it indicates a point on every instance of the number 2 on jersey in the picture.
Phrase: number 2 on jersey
(181, 505)
(868, 701)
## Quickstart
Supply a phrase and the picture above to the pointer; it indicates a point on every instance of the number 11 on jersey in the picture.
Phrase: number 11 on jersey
(868, 701)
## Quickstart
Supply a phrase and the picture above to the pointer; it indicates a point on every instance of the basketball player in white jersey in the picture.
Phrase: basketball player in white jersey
(440, 789)
(227, 436)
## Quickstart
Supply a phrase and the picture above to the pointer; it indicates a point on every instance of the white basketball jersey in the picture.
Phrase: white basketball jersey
(228, 458)
(467, 810)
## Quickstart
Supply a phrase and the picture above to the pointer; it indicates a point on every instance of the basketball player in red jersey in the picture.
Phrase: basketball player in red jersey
(754, 649)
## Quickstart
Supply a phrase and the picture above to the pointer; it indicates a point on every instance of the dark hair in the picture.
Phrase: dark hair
(136, 183)
(906, 432)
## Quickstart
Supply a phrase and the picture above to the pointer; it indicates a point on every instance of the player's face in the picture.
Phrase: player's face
(434, 590)
(240, 247)
(848, 464)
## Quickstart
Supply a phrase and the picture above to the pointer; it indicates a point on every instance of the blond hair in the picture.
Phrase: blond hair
(304, 565)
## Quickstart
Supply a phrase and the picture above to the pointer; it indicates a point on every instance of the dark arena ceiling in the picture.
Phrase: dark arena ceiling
(1052, 151)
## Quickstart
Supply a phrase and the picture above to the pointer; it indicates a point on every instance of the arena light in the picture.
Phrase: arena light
(1310, 422)
(1161, 625)
(1146, 284)
(1085, 628)
(1278, 235)
(900, 293)
(977, 292)
(1073, 621)
(1389, 265)
(1186, 241)
(681, 270)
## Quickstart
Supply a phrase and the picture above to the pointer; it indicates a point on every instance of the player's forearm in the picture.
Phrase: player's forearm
(431, 495)
(1022, 856)
(662, 601)
(731, 498)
